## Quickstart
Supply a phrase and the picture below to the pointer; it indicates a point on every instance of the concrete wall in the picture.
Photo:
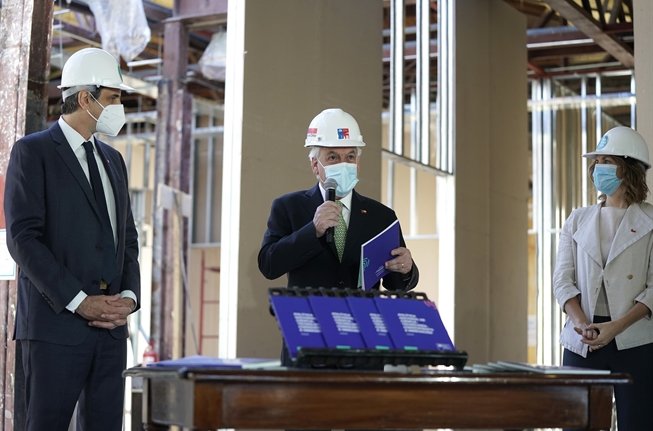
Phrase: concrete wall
(328, 53)
(643, 12)
(300, 57)
(491, 181)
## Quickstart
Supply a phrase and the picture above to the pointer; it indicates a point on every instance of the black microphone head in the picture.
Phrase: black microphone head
(330, 184)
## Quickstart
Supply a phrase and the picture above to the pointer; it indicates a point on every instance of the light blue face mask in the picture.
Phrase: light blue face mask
(345, 174)
(605, 179)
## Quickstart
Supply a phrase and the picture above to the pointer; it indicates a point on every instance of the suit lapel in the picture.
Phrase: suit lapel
(356, 227)
(71, 161)
(114, 175)
(587, 235)
(633, 226)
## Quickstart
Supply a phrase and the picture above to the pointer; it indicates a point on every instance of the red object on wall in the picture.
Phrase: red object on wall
(150, 355)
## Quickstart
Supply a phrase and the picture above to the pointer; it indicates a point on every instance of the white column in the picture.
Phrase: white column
(287, 61)
(643, 15)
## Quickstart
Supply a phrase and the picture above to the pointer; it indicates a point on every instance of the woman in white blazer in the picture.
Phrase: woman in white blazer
(603, 278)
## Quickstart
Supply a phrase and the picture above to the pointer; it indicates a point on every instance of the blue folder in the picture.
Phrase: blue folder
(371, 323)
(339, 327)
(299, 327)
(414, 324)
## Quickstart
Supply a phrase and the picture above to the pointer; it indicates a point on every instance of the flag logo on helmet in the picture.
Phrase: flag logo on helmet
(333, 127)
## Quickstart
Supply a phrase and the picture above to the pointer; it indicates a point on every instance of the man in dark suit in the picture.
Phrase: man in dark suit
(71, 231)
(295, 242)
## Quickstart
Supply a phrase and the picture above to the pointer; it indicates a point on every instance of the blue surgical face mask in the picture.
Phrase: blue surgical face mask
(605, 178)
(345, 174)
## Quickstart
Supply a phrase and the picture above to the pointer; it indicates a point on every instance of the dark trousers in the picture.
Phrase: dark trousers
(58, 376)
(634, 401)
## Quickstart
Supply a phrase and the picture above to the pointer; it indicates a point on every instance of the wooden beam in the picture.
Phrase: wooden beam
(198, 12)
(563, 51)
(172, 169)
(539, 72)
(545, 18)
(585, 23)
(615, 12)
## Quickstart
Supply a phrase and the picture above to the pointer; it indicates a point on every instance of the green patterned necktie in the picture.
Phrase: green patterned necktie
(340, 233)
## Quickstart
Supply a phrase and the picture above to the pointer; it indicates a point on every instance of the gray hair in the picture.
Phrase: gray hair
(70, 103)
(315, 152)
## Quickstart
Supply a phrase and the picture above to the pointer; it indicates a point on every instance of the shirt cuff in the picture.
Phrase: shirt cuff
(131, 295)
(72, 305)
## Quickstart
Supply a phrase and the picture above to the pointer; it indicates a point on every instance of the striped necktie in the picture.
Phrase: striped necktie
(340, 234)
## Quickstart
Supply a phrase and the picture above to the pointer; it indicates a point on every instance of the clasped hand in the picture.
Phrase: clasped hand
(104, 311)
(597, 335)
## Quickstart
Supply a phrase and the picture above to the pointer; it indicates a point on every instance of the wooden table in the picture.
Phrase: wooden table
(308, 399)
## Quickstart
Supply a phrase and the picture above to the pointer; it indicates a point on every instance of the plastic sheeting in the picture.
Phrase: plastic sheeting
(213, 61)
(122, 26)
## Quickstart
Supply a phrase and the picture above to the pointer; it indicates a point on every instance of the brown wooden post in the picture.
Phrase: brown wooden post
(172, 169)
(27, 26)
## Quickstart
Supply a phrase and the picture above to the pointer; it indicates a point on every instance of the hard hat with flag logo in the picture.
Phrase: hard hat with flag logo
(91, 67)
(333, 128)
(622, 141)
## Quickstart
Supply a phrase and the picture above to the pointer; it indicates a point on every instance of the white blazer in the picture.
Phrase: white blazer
(627, 276)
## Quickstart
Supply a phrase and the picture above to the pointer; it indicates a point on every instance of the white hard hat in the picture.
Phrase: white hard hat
(622, 141)
(91, 66)
(333, 128)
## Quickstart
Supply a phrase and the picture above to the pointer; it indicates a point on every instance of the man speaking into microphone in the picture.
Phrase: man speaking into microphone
(315, 236)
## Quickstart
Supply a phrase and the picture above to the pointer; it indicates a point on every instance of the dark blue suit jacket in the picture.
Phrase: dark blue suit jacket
(54, 235)
(291, 247)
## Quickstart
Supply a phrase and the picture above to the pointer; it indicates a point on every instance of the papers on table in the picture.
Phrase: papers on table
(515, 366)
(199, 361)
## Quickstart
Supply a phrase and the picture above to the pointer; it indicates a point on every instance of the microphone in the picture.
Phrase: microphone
(330, 186)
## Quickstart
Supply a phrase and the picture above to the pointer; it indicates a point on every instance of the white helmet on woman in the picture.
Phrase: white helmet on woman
(91, 67)
(622, 141)
(333, 128)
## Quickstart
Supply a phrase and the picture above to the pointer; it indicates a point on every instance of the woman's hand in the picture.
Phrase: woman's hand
(586, 331)
(605, 333)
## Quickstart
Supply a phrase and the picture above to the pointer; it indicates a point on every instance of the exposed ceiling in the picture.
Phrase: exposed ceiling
(75, 28)
(585, 36)
(564, 37)
(567, 39)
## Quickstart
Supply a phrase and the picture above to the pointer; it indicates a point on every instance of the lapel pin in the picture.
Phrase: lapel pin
(633, 231)
(363, 212)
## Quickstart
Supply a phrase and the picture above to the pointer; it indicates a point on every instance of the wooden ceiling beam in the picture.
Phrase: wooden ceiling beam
(615, 12)
(563, 52)
(585, 23)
